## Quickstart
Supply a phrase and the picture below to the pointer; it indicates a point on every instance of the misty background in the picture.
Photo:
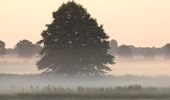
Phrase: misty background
(138, 60)
(130, 60)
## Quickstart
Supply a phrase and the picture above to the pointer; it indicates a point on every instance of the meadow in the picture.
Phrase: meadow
(20, 80)
(132, 92)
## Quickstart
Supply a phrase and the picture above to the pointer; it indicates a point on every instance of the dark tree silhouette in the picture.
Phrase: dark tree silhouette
(74, 43)
(25, 49)
(167, 51)
(125, 51)
(2, 48)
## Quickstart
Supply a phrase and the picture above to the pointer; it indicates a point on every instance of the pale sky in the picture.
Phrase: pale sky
(137, 22)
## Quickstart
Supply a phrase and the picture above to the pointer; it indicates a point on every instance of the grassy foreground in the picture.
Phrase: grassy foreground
(133, 92)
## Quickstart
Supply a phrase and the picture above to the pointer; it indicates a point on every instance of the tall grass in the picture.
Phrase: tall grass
(127, 92)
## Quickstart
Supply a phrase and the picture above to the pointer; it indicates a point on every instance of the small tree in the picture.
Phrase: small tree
(25, 49)
(2, 48)
(74, 43)
(166, 49)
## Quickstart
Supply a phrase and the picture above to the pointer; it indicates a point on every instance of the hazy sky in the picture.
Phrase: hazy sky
(137, 22)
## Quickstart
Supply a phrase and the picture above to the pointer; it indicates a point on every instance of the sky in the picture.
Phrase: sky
(144, 23)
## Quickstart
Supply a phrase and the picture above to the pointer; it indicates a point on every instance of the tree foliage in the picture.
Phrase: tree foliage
(167, 50)
(113, 43)
(125, 51)
(25, 49)
(113, 47)
(2, 48)
(74, 43)
(37, 48)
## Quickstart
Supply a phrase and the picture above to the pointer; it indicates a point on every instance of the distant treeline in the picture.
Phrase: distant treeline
(27, 49)
(24, 49)
(133, 51)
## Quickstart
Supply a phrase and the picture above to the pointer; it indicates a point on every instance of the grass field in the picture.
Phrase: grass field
(53, 87)
(133, 92)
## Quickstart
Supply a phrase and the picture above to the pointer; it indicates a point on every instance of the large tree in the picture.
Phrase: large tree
(74, 43)
(2, 48)
(25, 49)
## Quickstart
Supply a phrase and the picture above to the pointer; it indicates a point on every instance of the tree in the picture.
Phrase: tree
(113, 43)
(166, 49)
(74, 43)
(37, 48)
(113, 47)
(125, 51)
(2, 48)
(25, 49)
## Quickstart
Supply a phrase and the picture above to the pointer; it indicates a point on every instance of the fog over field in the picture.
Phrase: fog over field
(144, 67)
(67, 50)
(18, 74)
(15, 65)
(124, 66)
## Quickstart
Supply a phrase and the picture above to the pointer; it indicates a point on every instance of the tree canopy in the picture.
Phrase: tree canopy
(125, 51)
(113, 47)
(25, 49)
(2, 48)
(74, 43)
(167, 50)
(113, 43)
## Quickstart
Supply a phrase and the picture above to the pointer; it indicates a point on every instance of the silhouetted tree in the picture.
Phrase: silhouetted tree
(149, 55)
(74, 43)
(167, 50)
(125, 51)
(25, 49)
(2, 48)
